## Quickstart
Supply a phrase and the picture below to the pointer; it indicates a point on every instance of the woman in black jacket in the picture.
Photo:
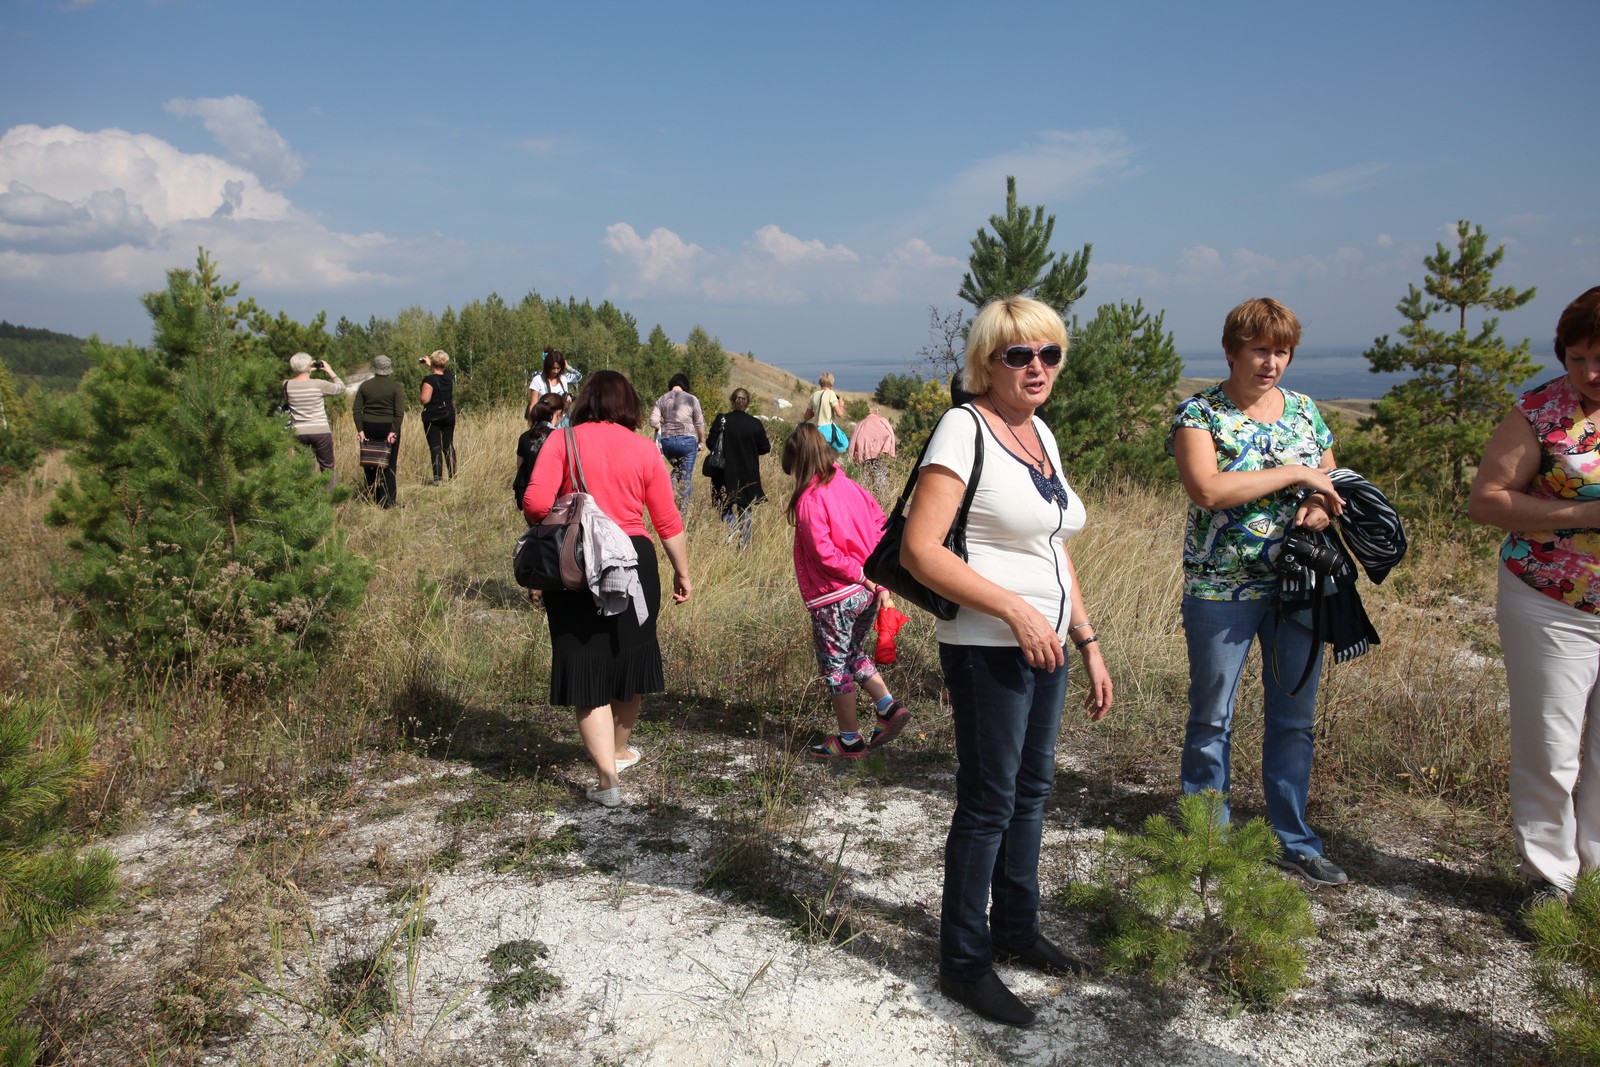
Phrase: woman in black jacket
(741, 440)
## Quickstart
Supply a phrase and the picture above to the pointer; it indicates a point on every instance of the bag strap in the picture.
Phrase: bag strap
(960, 522)
(574, 463)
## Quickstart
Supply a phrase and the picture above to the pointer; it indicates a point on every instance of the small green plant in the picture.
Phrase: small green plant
(1567, 945)
(857, 409)
(521, 978)
(1200, 897)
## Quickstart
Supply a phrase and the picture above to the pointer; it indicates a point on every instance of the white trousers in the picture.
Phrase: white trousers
(1552, 653)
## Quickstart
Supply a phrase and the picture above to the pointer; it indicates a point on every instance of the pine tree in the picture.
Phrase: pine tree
(45, 883)
(1437, 422)
(205, 538)
(658, 361)
(1199, 896)
(1111, 401)
(706, 363)
(1016, 260)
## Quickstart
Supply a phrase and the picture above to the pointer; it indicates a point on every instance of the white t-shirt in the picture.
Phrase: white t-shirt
(1015, 537)
(561, 387)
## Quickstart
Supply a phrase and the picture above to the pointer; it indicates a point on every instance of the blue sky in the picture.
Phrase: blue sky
(802, 181)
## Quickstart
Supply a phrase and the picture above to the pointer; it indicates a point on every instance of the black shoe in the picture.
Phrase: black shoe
(990, 998)
(1045, 956)
(1318, 870)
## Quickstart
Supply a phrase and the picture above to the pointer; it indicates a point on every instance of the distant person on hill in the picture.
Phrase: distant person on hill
(553, 376)
(741, 440)
(823, 408)
(305, 397)
(680, 431)
(601, 665)
(439, 413)
(1254, 458)
(378, 410)
(872, 446)
(1004, 654)
(541, 419)
(836, 526)
(1540, 482)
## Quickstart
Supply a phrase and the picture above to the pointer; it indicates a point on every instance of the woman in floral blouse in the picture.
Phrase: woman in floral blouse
(1540, 482)
(1254, 459)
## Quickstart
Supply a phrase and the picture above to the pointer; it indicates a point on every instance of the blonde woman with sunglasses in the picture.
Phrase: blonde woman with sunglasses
(1004, 654)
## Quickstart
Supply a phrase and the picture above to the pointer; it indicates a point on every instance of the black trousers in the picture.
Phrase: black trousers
(442, 445)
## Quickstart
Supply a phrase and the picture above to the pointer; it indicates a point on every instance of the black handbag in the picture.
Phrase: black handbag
(884, 567)
(549, 555)
(714, 458)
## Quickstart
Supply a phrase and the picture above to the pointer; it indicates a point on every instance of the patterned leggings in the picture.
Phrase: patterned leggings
(839, 632)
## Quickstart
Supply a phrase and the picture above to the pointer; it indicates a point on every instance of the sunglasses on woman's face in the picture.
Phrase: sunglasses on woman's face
(1019, 356)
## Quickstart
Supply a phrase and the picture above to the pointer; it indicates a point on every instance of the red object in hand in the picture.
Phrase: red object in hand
(889, 622)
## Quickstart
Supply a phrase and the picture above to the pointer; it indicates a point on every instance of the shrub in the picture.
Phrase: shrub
(922, 413)
(896, 389)
(1567, 945)
(857, 409)
(1200, 897)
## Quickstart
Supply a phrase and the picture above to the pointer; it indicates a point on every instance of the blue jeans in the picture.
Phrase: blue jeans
(1219, 633)
(1006, 715)
(680, 451)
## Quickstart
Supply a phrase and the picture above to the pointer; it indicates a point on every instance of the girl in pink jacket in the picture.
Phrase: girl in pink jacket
(836, 526)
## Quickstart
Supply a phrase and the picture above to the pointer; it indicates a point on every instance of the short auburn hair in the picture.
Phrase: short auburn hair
(1261, 319)
(607, 397)
(1579, 323)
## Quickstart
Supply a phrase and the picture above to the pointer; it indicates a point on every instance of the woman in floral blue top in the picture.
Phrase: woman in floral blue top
(1254, 459)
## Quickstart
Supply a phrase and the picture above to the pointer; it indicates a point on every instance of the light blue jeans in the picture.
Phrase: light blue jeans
(1219, 633)
(680, 451)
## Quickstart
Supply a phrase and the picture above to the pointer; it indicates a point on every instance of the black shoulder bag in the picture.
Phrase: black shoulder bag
(549, 555)
(884, 567)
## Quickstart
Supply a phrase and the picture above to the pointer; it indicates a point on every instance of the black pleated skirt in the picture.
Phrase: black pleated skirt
(597, 658)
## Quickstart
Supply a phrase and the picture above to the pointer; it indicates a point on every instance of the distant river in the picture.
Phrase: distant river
(1321, 373)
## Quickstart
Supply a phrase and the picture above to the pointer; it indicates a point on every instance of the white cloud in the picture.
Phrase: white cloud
(1383, 240)
(39, 222)
(1200, 259)
(107, 210)
(1343, 182)
(772, 267)
(238, 126)
(788, 249)
(654, 265)
(1131, 275)
(1060, 164)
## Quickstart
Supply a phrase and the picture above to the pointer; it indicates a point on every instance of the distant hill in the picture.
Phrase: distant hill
(768, 384)
(54, 361)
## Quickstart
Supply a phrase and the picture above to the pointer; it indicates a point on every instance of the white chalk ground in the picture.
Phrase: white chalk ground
(656, 971)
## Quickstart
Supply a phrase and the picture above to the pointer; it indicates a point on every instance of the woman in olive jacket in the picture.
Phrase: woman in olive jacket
(378, 409)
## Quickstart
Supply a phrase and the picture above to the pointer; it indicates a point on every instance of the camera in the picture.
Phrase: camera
(1303, 554)
(423, 361)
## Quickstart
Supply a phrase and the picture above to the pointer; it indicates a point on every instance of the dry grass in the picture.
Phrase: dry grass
(447, 657)
(444, 632)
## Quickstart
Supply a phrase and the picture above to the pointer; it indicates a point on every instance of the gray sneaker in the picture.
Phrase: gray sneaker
(1318, 870)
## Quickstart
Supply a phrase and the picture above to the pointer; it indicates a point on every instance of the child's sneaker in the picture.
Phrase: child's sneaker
(836, 747)
(890, 723)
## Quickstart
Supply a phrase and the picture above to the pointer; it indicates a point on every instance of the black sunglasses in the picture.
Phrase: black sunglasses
(1019, 356)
